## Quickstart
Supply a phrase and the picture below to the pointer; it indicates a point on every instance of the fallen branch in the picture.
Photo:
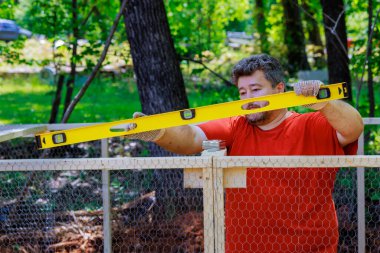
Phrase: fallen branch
(64, 244)
(129, 205)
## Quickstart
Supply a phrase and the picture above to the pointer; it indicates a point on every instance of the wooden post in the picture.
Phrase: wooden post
(215, 148)
(213, 180)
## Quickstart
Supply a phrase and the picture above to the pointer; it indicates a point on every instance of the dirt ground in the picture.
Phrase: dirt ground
(183, 234)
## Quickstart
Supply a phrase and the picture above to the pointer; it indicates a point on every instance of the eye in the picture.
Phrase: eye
(242, 93)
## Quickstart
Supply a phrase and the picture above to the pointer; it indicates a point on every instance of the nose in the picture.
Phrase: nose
(251, 94)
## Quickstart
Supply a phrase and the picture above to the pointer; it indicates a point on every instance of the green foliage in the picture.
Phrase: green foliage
(49, 18)
(374, 142)
(212, 95)
(372, 175)
(363, 99)
(314, 7)
(54, 19)
(11, 52)
(198, 26)
(276, 31)
(7, 9)
(357, 28)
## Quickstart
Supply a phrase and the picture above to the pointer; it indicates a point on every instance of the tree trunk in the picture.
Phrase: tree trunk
(261, 26)
(73, 60)
(336, 42)
(160, 85)
(57, 99)
(294, 37)
(159, 78)
(61, 76)
(314, 36)
(371, 96)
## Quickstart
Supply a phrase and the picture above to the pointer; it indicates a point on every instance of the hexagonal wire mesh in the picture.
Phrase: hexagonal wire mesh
(291, 209)
(58, 208)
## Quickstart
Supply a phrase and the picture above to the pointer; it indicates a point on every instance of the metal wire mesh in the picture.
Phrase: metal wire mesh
(57, 205)
(59, 202)
(25, 148)
(285, 207)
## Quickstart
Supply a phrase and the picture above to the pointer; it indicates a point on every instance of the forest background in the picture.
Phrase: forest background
(69, 36)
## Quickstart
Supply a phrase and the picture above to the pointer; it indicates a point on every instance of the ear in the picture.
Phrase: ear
(280, 87)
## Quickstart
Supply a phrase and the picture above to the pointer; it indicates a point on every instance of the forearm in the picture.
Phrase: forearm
(345, 119)
(182, 140)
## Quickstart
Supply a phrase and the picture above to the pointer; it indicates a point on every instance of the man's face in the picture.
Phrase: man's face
(256, 85)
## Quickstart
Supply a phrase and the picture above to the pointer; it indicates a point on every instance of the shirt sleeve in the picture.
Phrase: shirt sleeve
(221, 129)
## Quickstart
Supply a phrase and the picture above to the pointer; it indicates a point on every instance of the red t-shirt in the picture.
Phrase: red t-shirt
(282, 209)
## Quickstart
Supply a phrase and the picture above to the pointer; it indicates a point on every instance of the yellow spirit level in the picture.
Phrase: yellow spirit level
(186, 117)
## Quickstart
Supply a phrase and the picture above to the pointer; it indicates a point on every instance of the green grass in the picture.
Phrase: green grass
(27, 100)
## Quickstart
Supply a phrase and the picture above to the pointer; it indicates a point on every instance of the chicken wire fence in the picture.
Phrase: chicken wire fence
(185, 204)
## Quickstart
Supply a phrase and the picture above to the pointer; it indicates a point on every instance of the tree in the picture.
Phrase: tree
(160, 84)
(11, 51)
(336, 42)
(368, 62)
(7, 9)
(199, 26)
(74, 54)
(158, 75)
(98, 65)
(314, 35)
(294, 37)
(371, 96)
(50, 19)
(259, 14)
(68, 22)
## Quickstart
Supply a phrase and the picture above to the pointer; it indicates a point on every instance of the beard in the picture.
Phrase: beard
(256, 118)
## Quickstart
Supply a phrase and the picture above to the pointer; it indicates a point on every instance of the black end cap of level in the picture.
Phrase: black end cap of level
(38, 142)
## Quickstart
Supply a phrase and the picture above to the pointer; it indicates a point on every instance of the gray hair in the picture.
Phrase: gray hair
(270, 66)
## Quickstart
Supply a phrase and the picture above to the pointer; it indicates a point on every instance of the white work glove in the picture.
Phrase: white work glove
(309, 88)
(153, 135)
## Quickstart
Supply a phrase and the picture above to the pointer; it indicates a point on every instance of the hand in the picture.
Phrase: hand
(309, 88)
(153, 135)
(133, 125)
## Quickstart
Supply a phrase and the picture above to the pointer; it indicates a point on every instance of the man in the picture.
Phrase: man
(280, 210)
